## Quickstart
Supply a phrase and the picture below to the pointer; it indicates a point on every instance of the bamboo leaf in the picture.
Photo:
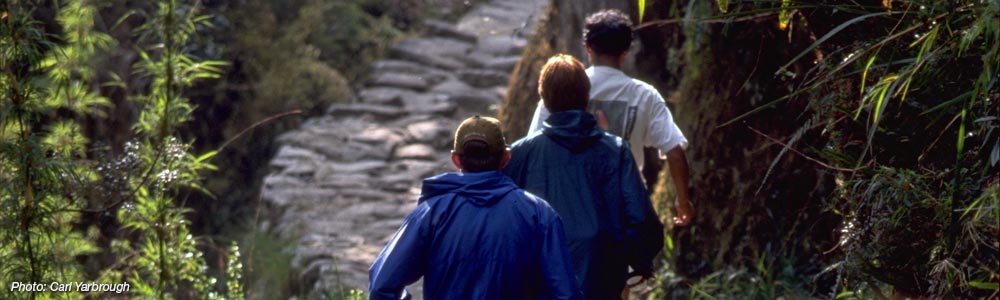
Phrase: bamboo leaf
(995, 154)
(206, 156)
(961, 135)
(723, 5)
(642, 9)
(827, 36)
(886, 85)
(985, 285)
(864, 74)
(958, 98)
(784, 16)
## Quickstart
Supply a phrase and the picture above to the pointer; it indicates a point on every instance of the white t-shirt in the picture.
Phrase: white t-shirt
(634, 109)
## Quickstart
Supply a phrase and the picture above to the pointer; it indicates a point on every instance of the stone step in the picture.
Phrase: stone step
(356, 109)
(481, 78)
(290, 155)
(357, 167)
(435, 52)
(399, 80)
(385, 96)
(494, 19)
(436, 46)
(504, 64)
(416, 56)
(445, 29)
(402, 66)
(501, 45)
(431, 132)
(417, 151)
(481, 60)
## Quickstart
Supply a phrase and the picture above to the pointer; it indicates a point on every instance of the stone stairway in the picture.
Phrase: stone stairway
(343, 182)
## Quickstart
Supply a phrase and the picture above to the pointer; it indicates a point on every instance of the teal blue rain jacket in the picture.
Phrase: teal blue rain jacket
(477, 236)
(590, 178)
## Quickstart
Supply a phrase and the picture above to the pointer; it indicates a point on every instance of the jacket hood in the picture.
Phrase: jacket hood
(573, 129)
(483, 188)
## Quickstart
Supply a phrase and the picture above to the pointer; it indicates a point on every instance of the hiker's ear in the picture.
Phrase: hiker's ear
(505, 158)
(455, 160)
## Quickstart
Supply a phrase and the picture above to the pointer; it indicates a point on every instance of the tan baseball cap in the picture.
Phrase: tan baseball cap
(483, 129)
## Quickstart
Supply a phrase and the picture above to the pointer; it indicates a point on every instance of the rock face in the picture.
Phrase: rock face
(343, 182)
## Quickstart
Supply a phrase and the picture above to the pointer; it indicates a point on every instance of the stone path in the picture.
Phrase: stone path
(344, 181)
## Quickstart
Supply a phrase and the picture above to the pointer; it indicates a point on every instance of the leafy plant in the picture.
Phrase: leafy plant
(904, 93)
(48, 181)
(163, 262)
(46, 86)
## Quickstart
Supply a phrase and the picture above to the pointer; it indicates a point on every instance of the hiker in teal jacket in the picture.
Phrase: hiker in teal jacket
(476, 235)
(589, 177)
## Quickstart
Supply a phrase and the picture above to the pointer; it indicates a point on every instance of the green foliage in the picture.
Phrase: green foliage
(42, 152)
(165, 262)
(268, 265)
(303, 58)
(234, 274)
(766, 279)
(47, 180)
(914, 215)
(346, 295)
(905, 94)
(906, 224)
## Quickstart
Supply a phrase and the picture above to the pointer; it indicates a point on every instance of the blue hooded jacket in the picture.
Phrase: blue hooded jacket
(590, 178)
(476, 236)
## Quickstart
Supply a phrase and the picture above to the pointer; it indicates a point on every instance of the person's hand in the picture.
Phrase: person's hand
(685, 212)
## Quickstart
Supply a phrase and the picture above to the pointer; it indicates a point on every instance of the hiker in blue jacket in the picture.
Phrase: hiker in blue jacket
(476, 235)
(590, 178)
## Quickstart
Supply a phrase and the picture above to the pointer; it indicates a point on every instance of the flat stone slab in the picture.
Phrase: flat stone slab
(430, 131)
(289, 155)
(416, 56)
(511, 17)
(355, 109)
(400, 80)
(364, 166)
(483, 77)
(504, 64)
(395, 65)
(379, 136)
(416, 151)
(441, 28)
(348, 151)
(436, 46)
(501, 45)
(385, 95)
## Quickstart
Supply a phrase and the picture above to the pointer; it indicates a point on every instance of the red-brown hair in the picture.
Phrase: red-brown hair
(563, 84)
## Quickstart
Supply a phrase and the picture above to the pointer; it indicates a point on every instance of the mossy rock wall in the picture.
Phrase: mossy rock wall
(746, 208)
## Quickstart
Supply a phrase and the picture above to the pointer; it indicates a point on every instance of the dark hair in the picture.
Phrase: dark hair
(608, 32)
(477, 157)
(563, 84)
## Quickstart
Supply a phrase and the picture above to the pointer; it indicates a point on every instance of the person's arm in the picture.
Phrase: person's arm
(677, 162)
(664, 134)
(402, 261)
(557, 269)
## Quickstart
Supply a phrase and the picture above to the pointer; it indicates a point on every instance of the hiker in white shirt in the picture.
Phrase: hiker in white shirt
(628, 107)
